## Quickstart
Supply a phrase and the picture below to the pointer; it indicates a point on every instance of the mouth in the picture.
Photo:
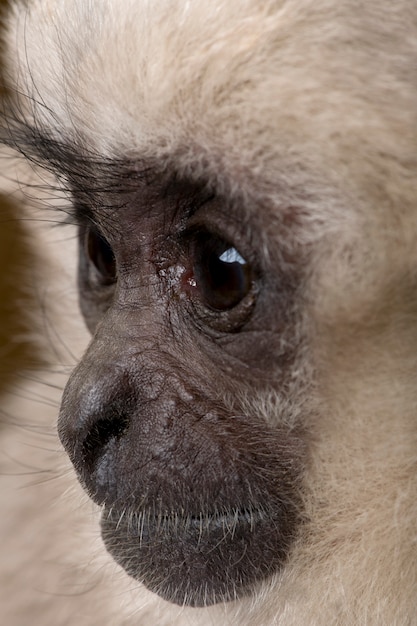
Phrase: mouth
(197, 559)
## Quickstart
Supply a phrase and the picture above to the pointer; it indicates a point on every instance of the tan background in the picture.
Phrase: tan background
(16, 350)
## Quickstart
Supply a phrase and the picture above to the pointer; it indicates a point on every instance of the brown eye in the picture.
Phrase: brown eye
(100, 256)
(222, 275)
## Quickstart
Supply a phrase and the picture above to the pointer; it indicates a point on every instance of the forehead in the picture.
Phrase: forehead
(164, 77)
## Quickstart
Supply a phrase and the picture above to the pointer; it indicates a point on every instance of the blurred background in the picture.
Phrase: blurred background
(16, 260)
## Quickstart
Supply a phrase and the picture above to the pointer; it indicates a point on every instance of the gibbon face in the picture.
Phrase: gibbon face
(242, 177)
(199, 499)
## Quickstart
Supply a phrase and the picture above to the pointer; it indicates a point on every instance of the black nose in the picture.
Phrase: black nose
(96, 413)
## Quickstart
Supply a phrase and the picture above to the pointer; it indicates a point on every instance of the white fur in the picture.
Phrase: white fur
(310, 102)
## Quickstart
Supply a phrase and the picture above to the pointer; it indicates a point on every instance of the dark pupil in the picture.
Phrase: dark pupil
(223, 276)
(101, 256)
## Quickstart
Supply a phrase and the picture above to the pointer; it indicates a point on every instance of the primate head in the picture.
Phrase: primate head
(242, 177)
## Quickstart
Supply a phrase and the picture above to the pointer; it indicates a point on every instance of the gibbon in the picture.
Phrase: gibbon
(237, 185)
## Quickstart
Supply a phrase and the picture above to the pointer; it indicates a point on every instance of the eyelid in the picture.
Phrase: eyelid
(83, 214)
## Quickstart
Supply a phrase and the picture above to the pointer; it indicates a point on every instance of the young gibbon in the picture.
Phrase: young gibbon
(237, 184)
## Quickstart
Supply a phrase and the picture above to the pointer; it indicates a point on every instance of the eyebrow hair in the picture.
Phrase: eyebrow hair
(94, 184)
(80, 175)
(42, 147)
(78, 169)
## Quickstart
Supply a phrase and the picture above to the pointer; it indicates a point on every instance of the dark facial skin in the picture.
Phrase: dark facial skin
(200, 499)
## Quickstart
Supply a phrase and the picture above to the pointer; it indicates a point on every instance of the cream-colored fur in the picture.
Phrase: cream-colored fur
(311, 103)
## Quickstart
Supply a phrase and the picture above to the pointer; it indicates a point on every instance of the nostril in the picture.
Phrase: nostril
(102, 431)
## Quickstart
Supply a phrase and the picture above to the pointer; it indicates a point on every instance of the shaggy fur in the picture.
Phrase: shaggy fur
(310, 104)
